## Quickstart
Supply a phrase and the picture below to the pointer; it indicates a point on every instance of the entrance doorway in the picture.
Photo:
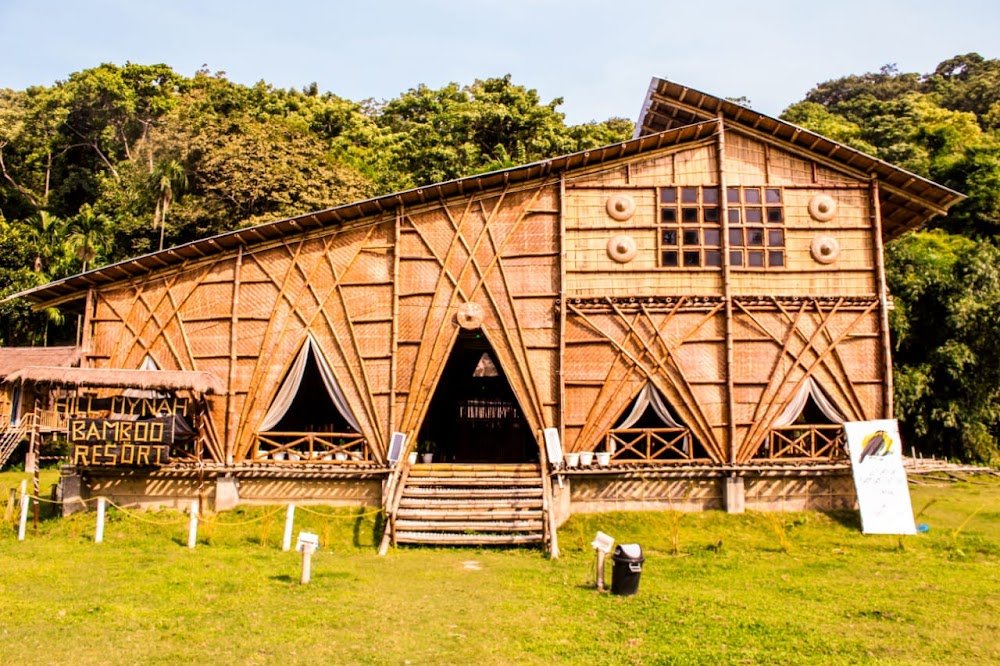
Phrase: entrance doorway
(474, 416)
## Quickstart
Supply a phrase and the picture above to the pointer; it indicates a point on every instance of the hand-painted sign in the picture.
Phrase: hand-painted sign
(877, 464)
(126, 442)
(123, 405)
(121, 454)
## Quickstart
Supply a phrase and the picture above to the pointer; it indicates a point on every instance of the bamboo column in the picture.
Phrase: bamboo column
(875, 212)
(231, 383)
(727, 292)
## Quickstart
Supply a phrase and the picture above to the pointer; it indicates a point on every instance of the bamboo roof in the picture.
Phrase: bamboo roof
(907, 200)
(13, 359)
(157, 380)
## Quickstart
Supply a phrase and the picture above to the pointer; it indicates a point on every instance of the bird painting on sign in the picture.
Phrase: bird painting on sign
(879, 443)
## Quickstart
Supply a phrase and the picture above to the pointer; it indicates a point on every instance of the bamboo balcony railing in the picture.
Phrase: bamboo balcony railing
(311, 447)
(650, 445)
(48, 420)
(804, 443)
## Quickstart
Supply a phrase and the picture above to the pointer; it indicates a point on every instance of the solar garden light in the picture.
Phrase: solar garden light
(307, 545)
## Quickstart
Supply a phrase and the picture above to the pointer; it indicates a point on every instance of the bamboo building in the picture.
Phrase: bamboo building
(681, 320)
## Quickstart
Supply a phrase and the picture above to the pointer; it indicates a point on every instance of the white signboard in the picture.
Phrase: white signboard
(877, 463)
(553, 448)
(603, 542)
(307, 542)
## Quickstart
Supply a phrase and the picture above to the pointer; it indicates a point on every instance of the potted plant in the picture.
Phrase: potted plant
(603, 458)
(427, 449)
(572, 459)
(586, 458)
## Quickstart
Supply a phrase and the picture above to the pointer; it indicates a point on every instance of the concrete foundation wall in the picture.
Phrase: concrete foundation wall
(816, 493)
(600, 493)
(349, 492)
(152, 491)
(575, 493)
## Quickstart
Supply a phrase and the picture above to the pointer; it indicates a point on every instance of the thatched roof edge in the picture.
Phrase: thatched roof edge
(162, 380)
(13, 359)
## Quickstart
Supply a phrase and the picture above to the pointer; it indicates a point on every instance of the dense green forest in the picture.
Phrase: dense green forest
(117, 161)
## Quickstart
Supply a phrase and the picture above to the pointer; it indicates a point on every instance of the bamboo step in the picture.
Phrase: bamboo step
(450, 493)
(474, 474)
(512, 482)
(486, 526)
(465, 467)
(463, 504)
(466, 503)
(451, 539)
(454, 514)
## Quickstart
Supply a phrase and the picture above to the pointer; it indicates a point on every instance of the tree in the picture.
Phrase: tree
(947, 295)
(946, 285)
(45, 232)
(169, 179)
(87, 234)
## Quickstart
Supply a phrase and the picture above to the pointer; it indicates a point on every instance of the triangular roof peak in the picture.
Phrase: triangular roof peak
(907, 200)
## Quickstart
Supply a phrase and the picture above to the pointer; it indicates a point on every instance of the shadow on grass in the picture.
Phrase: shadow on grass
(316, 575)
(376, 533)
(849, 518)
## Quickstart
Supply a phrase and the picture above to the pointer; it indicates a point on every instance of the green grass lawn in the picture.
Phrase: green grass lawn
(756, 588)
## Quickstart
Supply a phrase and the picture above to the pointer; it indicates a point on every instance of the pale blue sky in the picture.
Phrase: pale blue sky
(598, 56)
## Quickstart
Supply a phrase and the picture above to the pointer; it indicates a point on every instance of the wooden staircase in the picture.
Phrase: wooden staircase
(456, 504)
(12, 436)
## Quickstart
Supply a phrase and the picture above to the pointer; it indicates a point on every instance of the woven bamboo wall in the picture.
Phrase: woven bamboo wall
(614, 349)
(780, 342)
(815, 493)
(499, 252)
(751, 162)
(244, 317)
(804, 318)
(589, 227)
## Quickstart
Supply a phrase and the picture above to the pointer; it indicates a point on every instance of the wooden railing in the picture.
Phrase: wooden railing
(48, 419)
(654, 445)
(311, 447)
(804, 442)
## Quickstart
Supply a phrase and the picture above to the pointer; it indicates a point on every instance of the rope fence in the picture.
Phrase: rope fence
(23, 499)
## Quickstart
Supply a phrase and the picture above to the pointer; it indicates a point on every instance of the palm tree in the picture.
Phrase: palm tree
(88, 232)
(45, 233)
(169, 180)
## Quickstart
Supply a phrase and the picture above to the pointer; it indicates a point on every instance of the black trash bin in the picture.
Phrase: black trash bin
(627, 569)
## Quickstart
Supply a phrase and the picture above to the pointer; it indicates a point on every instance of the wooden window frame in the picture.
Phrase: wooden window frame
(773, 254)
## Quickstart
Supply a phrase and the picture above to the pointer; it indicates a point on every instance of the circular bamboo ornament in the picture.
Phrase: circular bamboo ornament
(622, 248)
(825, 249)
(470, 316)
(621, 207)
(822, 207)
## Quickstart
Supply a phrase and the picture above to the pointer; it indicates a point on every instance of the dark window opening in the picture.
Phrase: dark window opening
(312, 410)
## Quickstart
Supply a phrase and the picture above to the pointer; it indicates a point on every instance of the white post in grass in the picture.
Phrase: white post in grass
(99, 532)
(193, 525)
(306, 565)
(286, 542)
(24, 511)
